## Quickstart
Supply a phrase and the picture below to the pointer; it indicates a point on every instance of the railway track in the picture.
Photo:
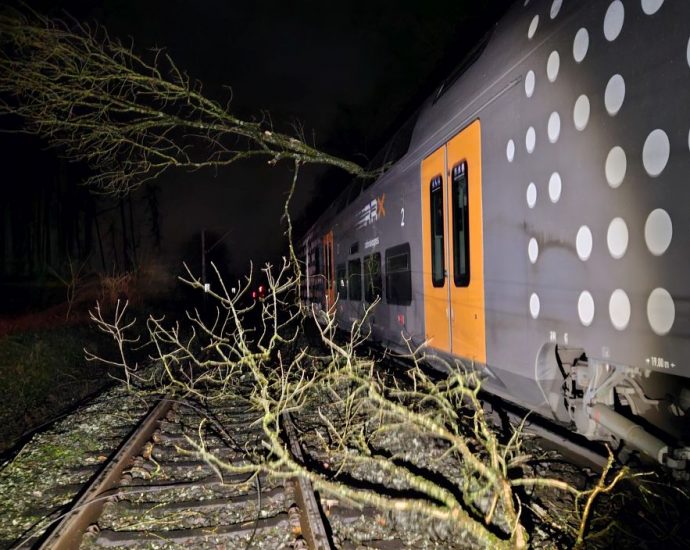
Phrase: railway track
(153, 494)
(150, 493)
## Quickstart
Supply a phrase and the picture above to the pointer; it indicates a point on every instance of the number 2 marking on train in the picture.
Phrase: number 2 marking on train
(402, 219)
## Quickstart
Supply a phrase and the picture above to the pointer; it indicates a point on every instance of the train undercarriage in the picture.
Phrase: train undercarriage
(632, 409)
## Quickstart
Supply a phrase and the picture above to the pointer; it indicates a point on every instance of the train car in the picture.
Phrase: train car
(533, 222)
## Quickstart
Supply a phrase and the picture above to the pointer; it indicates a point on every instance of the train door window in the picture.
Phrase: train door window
(461, 226)
(325, 272)
(329, 261)
(341, 278)
(317, 261)
(398, 275)
(354, 269)
(437, 244)
(319, 275)
(372, 277)
(326, 263)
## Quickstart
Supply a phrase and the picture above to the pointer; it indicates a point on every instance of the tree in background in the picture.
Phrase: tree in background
(127, 118)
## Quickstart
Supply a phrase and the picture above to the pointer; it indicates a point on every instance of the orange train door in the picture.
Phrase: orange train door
(329, 269)
(452, 232)
(435, 253)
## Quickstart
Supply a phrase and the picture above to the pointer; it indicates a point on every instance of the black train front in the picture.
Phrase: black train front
(535, 221)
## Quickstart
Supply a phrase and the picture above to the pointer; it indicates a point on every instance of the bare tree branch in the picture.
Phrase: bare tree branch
(129, 118)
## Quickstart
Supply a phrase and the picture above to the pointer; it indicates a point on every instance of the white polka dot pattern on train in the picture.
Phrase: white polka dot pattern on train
(613, 21)
(533, 27)
(530, 139)
(583, 243)
(529, 83)
(533, 250)
(555, 187)
(619, 309)
(619, 93)
(531, 195)
(614, 94)
(534, 305)
(554, 127)
(585, 308)
(655, 152)
(650, 7)
(553, 64)
(617, 238)
(580, 45)
(616, 166)
(661, 311)
(555, 8)
(581, 112)
(658, 231)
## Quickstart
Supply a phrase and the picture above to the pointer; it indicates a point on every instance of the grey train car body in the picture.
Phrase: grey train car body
(582, 310)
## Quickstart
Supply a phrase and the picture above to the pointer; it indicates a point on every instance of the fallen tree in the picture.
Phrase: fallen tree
(358, 416)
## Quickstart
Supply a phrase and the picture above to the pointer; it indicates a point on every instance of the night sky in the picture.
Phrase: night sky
(347, 72)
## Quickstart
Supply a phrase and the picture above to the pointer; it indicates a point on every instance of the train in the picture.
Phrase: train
(532, 221)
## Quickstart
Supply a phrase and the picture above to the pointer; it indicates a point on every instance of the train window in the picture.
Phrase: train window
(341, 278)
(398, 275)
(317, 261)
(354, 269)
(461, 226)
(327, 263)
(437, 244)
(372, 277)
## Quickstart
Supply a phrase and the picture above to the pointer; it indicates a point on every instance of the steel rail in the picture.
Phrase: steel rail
(68, 533)
(570, 444)
(313, 528)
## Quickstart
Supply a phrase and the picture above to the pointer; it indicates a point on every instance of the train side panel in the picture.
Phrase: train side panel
(585, 154)
(380, 225)
(588, 242)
